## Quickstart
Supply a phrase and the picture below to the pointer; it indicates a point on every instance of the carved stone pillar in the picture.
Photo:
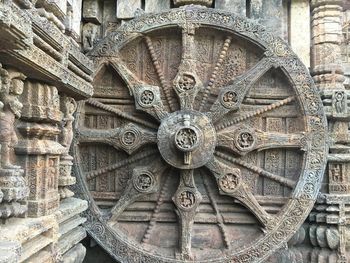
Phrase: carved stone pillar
(42, 39)
(68, 106)
(329, 221)
(40, 152)
(12, 184)
(329, 231)
(326, 40)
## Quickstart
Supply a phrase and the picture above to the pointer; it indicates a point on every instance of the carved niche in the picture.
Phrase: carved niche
(205, 140)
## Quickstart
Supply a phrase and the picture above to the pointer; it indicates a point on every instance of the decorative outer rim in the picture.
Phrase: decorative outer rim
(300, 204)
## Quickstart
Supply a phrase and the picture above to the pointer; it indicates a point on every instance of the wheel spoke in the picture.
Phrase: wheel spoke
(280, 179)
(242, 140)
(157, 67)
(147, 97)
(219, 217)
(135, 158)
(144, 180)
(230, 97)
(128, 138)
(187, 83)
(187, 199)
(258, 112)
(230, 183)
(120, 113)
(155, 214)
(213, 76)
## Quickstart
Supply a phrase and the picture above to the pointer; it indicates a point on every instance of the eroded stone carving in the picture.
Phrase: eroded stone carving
(147, 97)
(12, 183)
(12, 87)
(69, 107)
(329, 237)
(144, 182)
(212, 137)
(229, 182)
(34, 41)
(38, 149)
(65, 179)
(90, 35)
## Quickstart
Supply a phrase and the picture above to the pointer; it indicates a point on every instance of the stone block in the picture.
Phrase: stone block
(69, 222)
(42, 172)
(56, 7)
(10, 251)
(110, 21)
(273, 14)
(153, 6)
(59, 7)
(15, 191)
(327, 25)
(76, 17)
(13, 185)
(41, 102)
(300, 39)
(79, 59)
(71, 238)
(43, 256)
(75, 254)
(237, 7)
(15, 28)
(69, 225)
(33, 234)
(92, 11)
(70, 207)
(127, 8)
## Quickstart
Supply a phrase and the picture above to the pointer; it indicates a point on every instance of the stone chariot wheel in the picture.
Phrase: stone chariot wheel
(205, 140)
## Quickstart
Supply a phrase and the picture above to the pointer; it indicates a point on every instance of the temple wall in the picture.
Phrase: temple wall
(43, 75)
(45, 71)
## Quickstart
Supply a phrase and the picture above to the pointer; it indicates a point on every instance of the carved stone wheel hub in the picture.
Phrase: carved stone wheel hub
(186, 139)
(205, 140)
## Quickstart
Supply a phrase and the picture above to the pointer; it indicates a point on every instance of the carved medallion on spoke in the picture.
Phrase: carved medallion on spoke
(229, 182)
(144, 182)
(147, 98)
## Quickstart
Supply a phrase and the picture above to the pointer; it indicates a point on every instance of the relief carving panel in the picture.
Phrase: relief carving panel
(205, 140)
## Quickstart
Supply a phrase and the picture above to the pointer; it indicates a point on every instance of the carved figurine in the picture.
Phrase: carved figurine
(90, 35)
(12, 87)
(335, 172)
(339, 102)
(67, 123)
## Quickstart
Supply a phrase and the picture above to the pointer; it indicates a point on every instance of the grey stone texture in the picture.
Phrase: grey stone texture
(42, 74)
(126, 8)
(238, 7)
(153, 6)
